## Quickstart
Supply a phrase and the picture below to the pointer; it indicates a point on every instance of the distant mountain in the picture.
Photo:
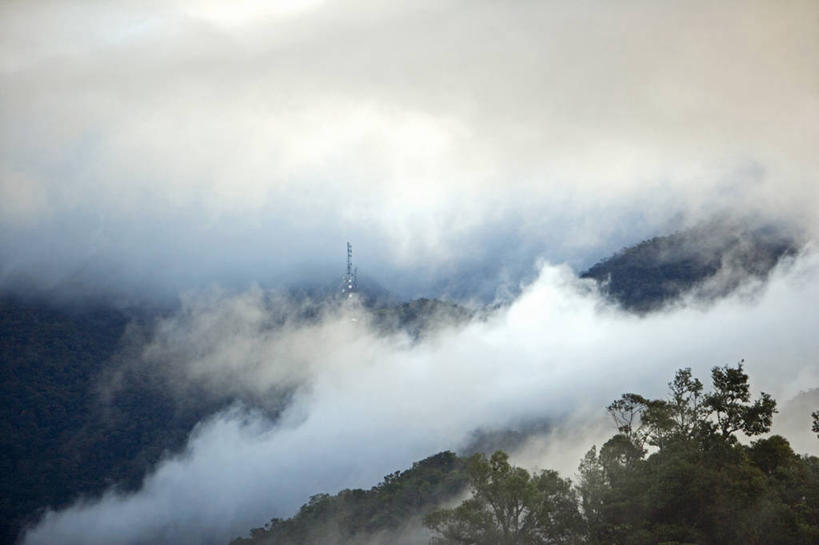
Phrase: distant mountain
(420, 316)
(708, 261)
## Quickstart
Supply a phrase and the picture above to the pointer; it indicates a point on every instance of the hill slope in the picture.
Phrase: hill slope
(387, 513)
(713, 259)
(60, 440)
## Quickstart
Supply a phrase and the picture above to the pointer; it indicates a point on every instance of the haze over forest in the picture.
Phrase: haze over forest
(195, 169)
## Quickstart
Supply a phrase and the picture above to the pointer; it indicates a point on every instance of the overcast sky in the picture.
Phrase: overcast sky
(169, 145)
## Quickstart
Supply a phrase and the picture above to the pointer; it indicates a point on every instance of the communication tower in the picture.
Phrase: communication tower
(350, 284)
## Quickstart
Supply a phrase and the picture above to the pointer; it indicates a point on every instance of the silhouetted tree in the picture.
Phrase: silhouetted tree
(729, 404)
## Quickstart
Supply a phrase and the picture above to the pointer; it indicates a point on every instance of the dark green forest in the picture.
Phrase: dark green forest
(49, 360)
(674, 473)
(656, 272)
(62, 436)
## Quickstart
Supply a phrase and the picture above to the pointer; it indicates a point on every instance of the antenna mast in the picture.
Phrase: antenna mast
(351, 278)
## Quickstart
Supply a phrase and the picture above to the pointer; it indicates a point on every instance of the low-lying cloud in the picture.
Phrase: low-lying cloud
(368, 403)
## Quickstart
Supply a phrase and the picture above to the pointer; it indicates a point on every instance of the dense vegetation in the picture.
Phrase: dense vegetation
(713, 258)
(699, 484)
(49, 358)
(509, 507)
(675, 473)
(61, 436)
(382, 514)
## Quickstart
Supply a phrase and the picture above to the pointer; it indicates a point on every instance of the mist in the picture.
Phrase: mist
(367, 403)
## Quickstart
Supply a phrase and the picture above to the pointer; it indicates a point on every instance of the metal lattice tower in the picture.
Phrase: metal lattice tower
(350, 284)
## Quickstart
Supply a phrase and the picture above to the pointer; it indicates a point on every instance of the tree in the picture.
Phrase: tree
(642, 421)
(687, 408)
(509, 507)
(771, 453)
(628, 413)
(593, 487)
(689, 414)
(729, 404)
(815, 426)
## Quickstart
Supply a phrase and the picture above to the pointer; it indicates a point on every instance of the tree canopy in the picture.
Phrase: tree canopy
(679, 471)
(700, 484)
(509, 507)
(675, 473)
(689, 414)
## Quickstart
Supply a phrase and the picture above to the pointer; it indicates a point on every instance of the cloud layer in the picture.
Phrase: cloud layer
(174, 144)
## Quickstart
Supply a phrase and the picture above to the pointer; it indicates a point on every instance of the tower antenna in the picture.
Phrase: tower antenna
(350, 284)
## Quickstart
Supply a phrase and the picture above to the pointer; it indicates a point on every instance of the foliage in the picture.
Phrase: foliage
(509, 506)
(729, 404)
(49, 358)
(61, 438)
(700, 484)
(689, 414)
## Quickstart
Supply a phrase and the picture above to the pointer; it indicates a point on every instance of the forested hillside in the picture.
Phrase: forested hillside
(673, 473)
(62, 438)
(714, 258)
(387, 513)
(49, 360)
